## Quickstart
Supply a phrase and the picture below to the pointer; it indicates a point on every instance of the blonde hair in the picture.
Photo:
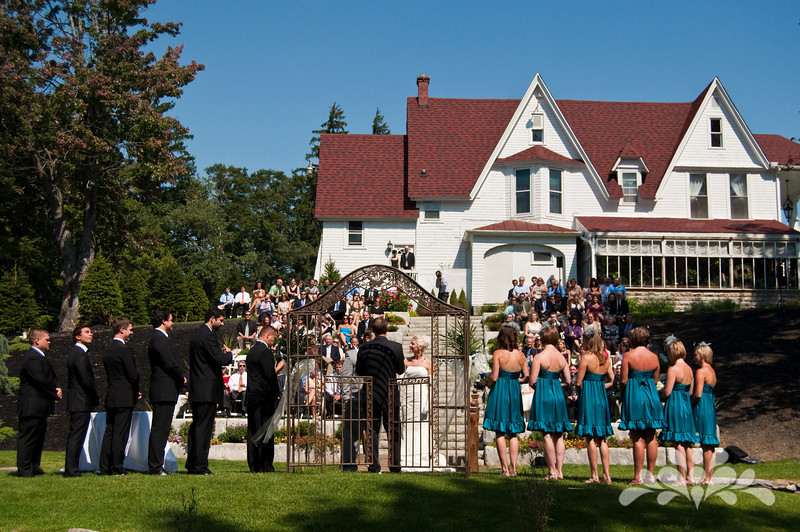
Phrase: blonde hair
(675, 351)
(422, 343)
(705, 353)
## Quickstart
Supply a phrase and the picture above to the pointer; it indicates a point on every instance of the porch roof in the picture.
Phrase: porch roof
(604, 224)
(522, 227)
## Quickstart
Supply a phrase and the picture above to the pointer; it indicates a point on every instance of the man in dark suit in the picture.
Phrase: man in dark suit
(121, 397)
(382, 359)
(329, 352)
(363, 325)
(407, 260)
(165, 381)
(81, 397)
(38, 391)
(246, 331)
(338, 309)
(206, 359)
(263, 394)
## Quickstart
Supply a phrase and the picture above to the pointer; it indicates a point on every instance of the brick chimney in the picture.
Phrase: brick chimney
(422, 90)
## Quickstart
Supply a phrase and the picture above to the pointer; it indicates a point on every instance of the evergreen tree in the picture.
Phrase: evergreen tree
(330, 272)
(334, 124)
(133, 288)
(462, 300)
(101, 298)
(453, 298)
(198, 300)
(379, 126)
(23, 314)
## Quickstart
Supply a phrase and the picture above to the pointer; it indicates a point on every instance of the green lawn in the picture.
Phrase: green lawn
(235, 500)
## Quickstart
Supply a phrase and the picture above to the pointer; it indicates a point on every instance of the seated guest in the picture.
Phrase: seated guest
(514, 283)
(617, 307)
(576, 305)
(313, 288)
(238, 385)
(241, 300)
(596, 307)
(626, 329)
(293, 290)
(333, 392)
(226, 302)
(617, 288)
(329, 352)
(510, 322)
(284, 304)
(610, 329)
(277, 289)
(326, 284)
(510, 307)
(364, 324)
(555, 288)
(346, 331)
(246, 331)
(521, 288)
(377, 310)
(301, 301)
(338, 310)
(538, 289)
(571, 392)
(258, 295)
(266, 308)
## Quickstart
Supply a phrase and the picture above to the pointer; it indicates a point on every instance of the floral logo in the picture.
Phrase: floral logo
(725, 485)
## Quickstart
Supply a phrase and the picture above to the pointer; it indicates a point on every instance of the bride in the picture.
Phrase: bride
(415, 445)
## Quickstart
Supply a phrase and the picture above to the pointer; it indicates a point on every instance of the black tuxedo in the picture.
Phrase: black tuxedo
(337, 311)
(81, 399)
(121, 397)
(206, 391)
(382, 359)
(165, 381)
(35, 401)
(300, 302)
(407, 260)
(263, 393)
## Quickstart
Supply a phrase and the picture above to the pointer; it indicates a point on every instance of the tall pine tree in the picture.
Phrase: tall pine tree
(379, 126)
(334, 124)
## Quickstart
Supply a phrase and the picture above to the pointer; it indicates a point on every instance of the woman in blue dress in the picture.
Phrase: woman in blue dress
(503, 414)
(641, 407)
(549, 412)
(705, 414)
(595, 376)
(678, 416)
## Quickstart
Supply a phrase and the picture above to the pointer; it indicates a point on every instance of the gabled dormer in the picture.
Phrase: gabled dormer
(631, 171)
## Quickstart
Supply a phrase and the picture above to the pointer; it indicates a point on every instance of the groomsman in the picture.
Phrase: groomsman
(121, 397)
(81, 397)
(38, 391)
(165, 381)
(263, 394)
(206, 359)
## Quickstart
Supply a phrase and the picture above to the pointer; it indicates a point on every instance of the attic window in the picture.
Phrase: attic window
(431, 209)
(537, 128)
(716, 132)
(630, 186)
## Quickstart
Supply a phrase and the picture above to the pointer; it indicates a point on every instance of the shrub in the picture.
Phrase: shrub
(395, 320)
(394, 301)
(462, 300)
(181, 436)
(494, 322)
(100, 299)
(715, 305)
(23, 314)
(654, 305)
(234, 434)
(330, 272)
(453, 298)
(133, 288)
(489, 308)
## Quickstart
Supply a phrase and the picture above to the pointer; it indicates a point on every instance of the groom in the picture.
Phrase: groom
(382, 359)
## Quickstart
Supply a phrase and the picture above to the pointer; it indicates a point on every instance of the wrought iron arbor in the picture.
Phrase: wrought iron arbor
(441, 410)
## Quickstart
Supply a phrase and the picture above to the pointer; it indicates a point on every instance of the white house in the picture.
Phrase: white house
(673, 197)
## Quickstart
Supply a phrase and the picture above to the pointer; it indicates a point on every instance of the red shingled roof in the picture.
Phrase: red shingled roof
(603, 224)
(452, 139)
(779, 149)
(362, 176)
(538, 153)
(519, 225)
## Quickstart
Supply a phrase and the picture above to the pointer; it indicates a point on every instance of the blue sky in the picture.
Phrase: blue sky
(273, 69)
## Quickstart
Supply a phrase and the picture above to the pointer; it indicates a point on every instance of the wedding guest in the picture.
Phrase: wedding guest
(81, 397)
(678, 419)
(504, 406)
(258, 295)
(641, 407)
(705, 415)
(595, 376)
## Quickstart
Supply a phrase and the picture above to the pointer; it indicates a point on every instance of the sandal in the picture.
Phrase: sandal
(635, 482)
(593, 480)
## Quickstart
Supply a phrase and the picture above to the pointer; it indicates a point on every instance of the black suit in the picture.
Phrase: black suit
(263, 393)
(382, 359)
(205, 393)
(407, 261)
(363, 325)
(330, 351)
(165, 381)
(121, 397)
(81, 399)
(36, 399)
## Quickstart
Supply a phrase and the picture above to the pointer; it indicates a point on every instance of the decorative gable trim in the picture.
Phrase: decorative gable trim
(714, 89)
(538, 83)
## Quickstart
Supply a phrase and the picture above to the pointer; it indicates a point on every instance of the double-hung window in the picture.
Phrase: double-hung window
(698, 195)
(556, 192)
(537, 128)
(739, 197)
(355, 234)
(716, 132)
(523, 190)
(630, 186)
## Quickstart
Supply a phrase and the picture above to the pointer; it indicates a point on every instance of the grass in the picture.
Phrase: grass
(233, 499)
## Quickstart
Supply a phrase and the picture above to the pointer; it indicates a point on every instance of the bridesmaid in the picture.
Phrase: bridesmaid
(641, 408)
(504, 407)
(594, 419)
(549, 412)
(678, 409)
(705, 415)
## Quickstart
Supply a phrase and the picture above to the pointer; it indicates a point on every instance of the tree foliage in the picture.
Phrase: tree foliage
(101, 301)
(379, 126)
(334, 124)
(330, 272)
(19, 312)
(84, 128)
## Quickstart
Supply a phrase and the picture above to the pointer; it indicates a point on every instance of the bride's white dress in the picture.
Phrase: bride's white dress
(415, 446)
